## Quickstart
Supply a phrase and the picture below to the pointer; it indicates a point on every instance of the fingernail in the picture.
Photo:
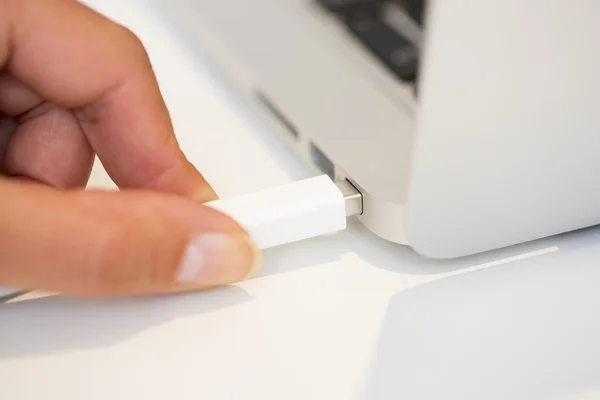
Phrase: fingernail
(214, 259)
(205, 195)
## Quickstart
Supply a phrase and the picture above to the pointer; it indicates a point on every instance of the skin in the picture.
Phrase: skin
(74, 84)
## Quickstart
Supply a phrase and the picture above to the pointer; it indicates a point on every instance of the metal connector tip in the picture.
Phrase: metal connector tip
(352, 197)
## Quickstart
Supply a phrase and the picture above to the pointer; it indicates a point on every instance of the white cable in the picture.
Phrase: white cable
(288, 213)
(293, 212)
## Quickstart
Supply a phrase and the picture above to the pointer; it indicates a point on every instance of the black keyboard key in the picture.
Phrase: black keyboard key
(414, 8)
(399, 54)
(346, 7)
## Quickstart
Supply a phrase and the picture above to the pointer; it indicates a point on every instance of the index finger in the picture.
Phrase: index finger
(75, 58)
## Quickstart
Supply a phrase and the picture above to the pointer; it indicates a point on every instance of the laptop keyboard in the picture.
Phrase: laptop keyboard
(414, 8)
(348, 7)
(384, 28)
(396, 52)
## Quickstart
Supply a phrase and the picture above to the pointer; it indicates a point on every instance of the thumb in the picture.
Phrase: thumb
(104, 244)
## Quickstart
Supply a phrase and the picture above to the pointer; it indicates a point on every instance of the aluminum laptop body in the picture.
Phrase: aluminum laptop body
(480, 130)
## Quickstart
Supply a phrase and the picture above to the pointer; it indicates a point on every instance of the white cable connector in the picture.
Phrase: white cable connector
(293, 212)
(288, 213)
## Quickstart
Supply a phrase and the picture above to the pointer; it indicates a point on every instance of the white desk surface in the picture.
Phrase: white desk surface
(341, 317)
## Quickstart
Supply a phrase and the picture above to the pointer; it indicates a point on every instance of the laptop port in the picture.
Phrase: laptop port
(277, 113)
(322, 161)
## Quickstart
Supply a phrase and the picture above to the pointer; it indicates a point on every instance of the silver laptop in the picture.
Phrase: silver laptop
(468, 125)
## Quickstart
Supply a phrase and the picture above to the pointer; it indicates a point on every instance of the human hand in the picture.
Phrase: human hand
(74, 84)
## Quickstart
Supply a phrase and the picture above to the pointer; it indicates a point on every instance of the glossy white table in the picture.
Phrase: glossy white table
(342, 317)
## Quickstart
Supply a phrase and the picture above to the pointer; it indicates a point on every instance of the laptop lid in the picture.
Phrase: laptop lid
(508, 131)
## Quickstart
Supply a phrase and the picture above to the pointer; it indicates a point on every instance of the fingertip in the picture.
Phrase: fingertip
(198, 189)
(214, 259)
(178, 177)
(202, 191)
(257, 264)
(205, 194)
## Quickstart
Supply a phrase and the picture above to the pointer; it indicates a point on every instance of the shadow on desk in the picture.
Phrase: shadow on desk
(525, 331)
(355, 240)
(401, 259)
(57, 324)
